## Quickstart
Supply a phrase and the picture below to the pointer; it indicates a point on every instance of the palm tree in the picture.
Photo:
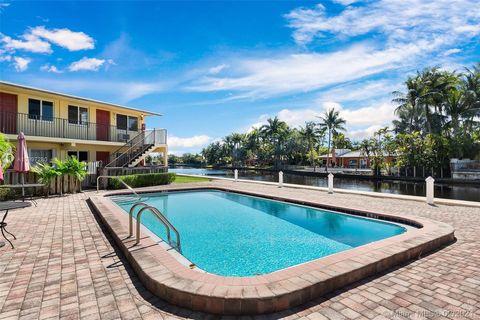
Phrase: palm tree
(275, 130)
(7, 151)
(412, 99)
(333, 123)
(229, 146)
(311, 134)
(46, 174)
(253, 143)
(237, 140)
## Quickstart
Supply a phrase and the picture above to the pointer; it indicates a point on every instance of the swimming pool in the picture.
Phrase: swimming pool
(232, 234)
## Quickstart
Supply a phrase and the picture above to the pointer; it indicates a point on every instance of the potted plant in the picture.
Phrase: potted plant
(46, 174)
(7, 151)
(74, 168)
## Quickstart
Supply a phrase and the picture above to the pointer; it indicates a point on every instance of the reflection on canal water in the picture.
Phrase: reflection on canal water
(458, 192)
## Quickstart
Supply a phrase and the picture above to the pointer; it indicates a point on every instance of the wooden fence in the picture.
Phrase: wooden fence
(61, 184)
(68, 184)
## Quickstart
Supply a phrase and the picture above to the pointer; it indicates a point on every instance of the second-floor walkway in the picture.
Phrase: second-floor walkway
(51, 127)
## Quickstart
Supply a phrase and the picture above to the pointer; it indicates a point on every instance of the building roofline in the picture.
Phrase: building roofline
(147, 113)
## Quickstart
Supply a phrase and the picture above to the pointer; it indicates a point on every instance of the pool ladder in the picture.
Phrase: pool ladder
(159, 215)
(136, 195)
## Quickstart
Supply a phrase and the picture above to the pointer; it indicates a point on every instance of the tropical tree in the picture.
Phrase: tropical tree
(311, 134)
(72, 168)
(409, 102)
(7, 152)
(46, 174)
(275, 131)
(332, 123)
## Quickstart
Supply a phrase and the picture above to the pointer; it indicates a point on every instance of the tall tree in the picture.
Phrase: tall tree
(276, 131)
(332, 123)
(410, 100)
(311, 134)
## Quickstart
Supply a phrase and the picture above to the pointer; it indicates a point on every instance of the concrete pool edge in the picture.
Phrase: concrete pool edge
(174, 282)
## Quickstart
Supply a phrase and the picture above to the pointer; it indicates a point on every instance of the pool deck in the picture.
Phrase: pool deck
(67, 265)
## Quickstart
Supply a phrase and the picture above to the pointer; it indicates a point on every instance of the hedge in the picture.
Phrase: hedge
(142, 180)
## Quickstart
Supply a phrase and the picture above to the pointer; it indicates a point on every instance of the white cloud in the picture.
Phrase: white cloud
(139, 89)
(451, 51)
(405, 20)
(361, 122)
(123, 91)
(27, 42)
(410, 33)
(190, 142)
(264, 77)
(50, 68)
(345, 2)
(367, 132)
(217, 69)
(5, 56)
(21, 64)
(86, 64)
(365, 90)
(39, 40)
(70, 40)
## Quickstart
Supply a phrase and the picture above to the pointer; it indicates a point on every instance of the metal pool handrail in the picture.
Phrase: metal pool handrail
(162, 219)
(130, 216)
(121, 181)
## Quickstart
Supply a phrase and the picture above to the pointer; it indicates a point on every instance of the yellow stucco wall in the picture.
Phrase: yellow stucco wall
(60, 104)
(60, 147)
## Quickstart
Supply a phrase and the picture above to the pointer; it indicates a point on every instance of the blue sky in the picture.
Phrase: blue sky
(214, 67)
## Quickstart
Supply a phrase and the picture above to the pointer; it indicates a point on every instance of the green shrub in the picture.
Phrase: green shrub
(10, 194)
(142, 180)
(4, 194)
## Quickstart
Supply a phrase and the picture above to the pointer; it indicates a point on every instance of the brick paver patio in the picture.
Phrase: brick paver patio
(65, 265)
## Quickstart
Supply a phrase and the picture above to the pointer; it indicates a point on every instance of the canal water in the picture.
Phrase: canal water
(458, 191)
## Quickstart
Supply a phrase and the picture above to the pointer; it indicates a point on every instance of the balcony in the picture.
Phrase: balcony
(31, 125)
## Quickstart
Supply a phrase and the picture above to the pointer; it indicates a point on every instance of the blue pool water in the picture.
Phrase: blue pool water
(236, 235)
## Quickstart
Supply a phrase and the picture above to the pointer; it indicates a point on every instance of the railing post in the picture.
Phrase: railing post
(430, 190)
(235, 173)
(330, 183)
(280, 179)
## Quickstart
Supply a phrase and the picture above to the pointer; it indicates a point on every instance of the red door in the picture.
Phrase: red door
(103, 125)
(103, 156)
(8, 113)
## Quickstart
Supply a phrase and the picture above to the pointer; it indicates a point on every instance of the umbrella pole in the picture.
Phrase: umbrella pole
(23, 188)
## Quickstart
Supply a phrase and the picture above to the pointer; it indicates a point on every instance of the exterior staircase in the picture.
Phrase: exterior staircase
(137, 148)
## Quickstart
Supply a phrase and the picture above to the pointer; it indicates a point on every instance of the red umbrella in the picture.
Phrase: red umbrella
(1, 172)
(21, 163)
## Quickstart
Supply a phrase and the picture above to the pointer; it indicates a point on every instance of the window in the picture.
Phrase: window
(126, 122)
(40, 110)
(121, 122)
(133, 123)
(77, 115)
(40, 156)
(80, 155)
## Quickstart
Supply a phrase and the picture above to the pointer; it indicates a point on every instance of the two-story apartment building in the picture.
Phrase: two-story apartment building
(57, 125)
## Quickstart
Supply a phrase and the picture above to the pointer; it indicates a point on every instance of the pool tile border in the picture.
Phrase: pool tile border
(176, 283)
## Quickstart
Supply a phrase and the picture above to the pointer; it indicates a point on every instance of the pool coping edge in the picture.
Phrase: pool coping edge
(176, 283)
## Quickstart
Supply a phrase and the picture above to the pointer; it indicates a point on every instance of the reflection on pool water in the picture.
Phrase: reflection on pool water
(237, 235)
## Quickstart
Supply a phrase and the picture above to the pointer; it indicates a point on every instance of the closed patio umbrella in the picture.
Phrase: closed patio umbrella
(1, 172)
(21, 163)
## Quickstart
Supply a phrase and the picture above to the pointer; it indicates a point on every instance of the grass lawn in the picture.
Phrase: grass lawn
(181, 179)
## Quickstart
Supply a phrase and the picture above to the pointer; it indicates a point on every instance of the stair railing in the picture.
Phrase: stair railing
(128, 155)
